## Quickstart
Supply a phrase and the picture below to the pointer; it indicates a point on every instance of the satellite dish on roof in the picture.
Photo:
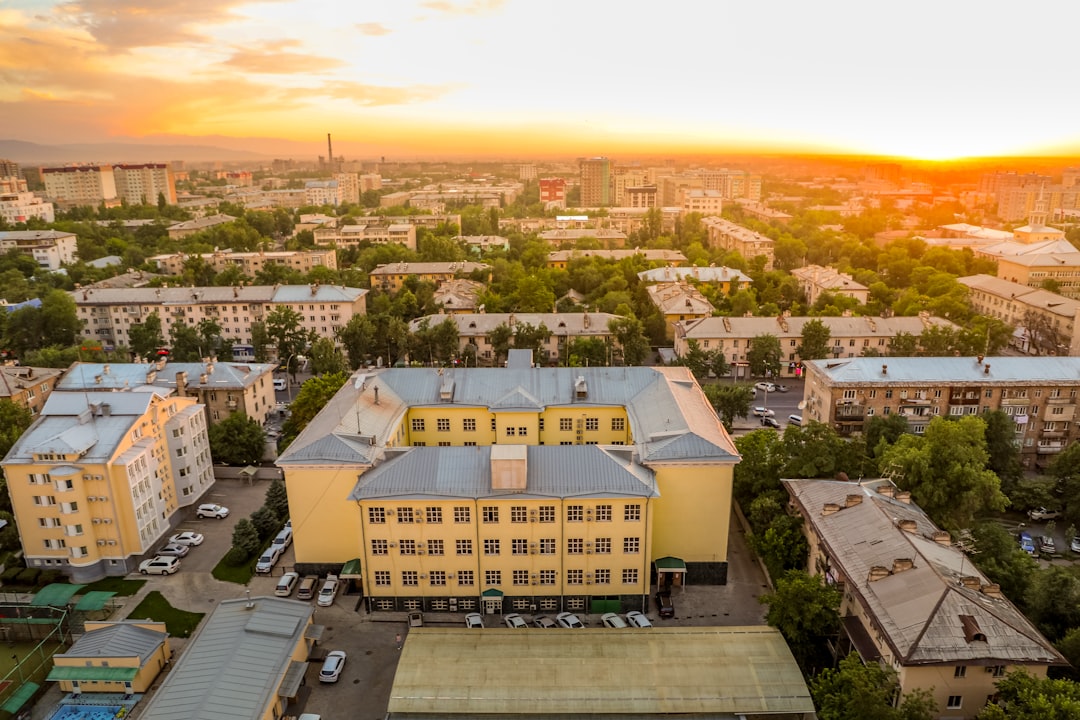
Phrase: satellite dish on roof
(802, 405)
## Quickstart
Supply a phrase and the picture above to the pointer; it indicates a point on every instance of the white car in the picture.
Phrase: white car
(638, 619)
(286, 584)
(283, 539)
(568, 620)
(332, 666)
(328, 591)
(513, 620)
(212, 510)
(544, 622)
(474, 620)
(765, 386)
(158, 565)
(175, 549)
(763, 411)
(186, 538)
(268, 559)
(612, 620)
(1041, 513)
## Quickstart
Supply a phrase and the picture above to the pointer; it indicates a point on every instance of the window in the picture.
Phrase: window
(518, 514)
(404, 515)
(469, 424)
(603, 577)
(465, 577)
(631, 545)
(629, 576)
(490, 513)
(433, 514)
(575, 546)
(463, 514)
(519, 546)
(547, 546)
(998, 670)
(618, 424)
(566, 424)
(575, 577)
(418, 424)
(438, 577)
(491, 546)
(464, 547)
(493, 577)
(408, 547)
(547, 513)
(603, 513)
(574, 513)
(379, 547)
(592, 423)
(888, 394)
(1057, 410)
(547, 577)
(632, 513)
(442, 424)
(521, 577)
(382, 578)
(523, 431)
(603, 546)
(849, 394)
(955, 702)
(509, 431)
(960, 671)
(434, 547)
(410, 578)
(493, 425)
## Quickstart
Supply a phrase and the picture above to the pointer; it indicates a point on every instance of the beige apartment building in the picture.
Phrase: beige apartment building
(80, 184)
(730, 236)
(1032, 270)
(303, 261)
(28, 387)
(562, 237)
(910, 599)
(375, 234)
(392, 277)
(815, 280)
(678, 302)
(724, 278)
(1046, 323)
(1040, 393)
(703, 202)
(145, 183)
(850, 336)
(49, 248)
(181, 230)
(18, 205)
(595, 178)
(458, 296)
(100, 478)
(560, 259)
(108, 314)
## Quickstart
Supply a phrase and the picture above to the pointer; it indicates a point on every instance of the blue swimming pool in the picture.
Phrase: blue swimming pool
(86, 712)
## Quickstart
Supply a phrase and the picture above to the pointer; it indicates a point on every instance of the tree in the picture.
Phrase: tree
(815, 450)
(764, 355)
(999, 557)
(358, 337)
(260, 341)
(587, 352)
(856, 691)
(945, 470)
(313, 396)
(284, 330)
(59, 319)
(266, 523)
(277, 499)
(758, 472)
(534, 338)
(1042, 335)
(883, 428)
(1065, 469)
(237, 440)
(1003, 456)
(730, 401)
(245, 538)
(185, 343)
(815, 341)
(1023, 697)
(1053, 601)
(326, 358)
(806, 612)
(781, 545)
(499, 338)
(903, 344)
(145, 337)
(631, 342)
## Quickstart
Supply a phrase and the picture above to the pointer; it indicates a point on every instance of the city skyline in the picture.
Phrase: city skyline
(511, 78)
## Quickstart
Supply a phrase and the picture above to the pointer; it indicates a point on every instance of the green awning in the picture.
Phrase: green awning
(92, 674)
(94, 600)
(670, 564)
(351, 569)
(20, 698)
(55, 595)
(492, 592)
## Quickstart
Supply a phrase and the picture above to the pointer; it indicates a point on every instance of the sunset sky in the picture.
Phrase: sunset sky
(523, 78)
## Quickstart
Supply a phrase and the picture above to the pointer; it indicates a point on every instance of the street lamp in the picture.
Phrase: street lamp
(288, 382)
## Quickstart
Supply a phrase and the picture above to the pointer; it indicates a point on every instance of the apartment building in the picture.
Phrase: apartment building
(222, 388)
(303, 261)
(431, 221)
(18, 205)
(815, 280)
(609, 238)
(458, 296)
(181, 230)
(764, 213)
(1033, 264)
(480, 244)
(322, 192)
(80, 184)
(100, 478)
(370, 181)
(624, 177)
(399, 233)
(703, 202)
(107, 314)
(595, 179)
(678, 302)
(730, 236)
(145, 183)
(392, 277)
(1017, 202)
(553, 191)
(631, 219)
(1045, 322)
(639, 196)
(910, 599)
(500, 489)
(475, 328)
(1040, 393)
(49, 248)
(732, 184)
(560, 259)
(28, 387)
(850, 336)
(723, 277)
(349, 187)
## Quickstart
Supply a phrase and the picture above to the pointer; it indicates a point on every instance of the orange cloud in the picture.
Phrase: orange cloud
(269, 59)
(373, 29)
(372, 95)
(476, 7)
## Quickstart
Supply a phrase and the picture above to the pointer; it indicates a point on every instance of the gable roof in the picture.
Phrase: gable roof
(123, 639)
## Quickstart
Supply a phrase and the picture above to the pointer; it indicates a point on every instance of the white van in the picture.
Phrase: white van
(795, 420)
(280, 383)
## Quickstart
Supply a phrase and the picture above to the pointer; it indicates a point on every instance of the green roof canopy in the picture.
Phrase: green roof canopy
(492, 592)
(16, 701)
(55, 595)
(90, 674)
(670, 564)
(94, 600)
(351, 568)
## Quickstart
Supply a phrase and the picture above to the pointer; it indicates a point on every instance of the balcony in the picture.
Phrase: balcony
(1060, 401)
(1050, 449)
(963, 400)
(1015, 401)
(919, 411)
(231, 404)
(850, 412)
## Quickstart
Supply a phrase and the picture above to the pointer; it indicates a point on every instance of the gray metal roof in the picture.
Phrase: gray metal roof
(465, 472)
(213, 295)
(233, 667)
(1023, 294)
(702, 274)
(34, 235)
(122, 376)
(123, 639)
(918, 609)
(792, 327)
(569, 324)
(930, 370)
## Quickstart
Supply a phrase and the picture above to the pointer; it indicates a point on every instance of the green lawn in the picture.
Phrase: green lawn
(239, 574)
(118, 585)
(179, 623)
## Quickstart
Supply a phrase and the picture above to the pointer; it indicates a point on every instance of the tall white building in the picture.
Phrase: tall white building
(137, 184)
(80, 184)
(17, 205)
(348, 187)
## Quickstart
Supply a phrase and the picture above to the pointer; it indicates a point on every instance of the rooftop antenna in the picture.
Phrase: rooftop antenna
(249, 604)
(330, 153)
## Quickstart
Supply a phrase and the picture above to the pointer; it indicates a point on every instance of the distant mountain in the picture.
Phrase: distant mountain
(27, 153)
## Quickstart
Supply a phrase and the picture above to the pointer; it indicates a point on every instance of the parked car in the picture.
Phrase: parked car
(283, 539)
(474, 621)
(158, 565)
(613, 621)
(568, 620)
(332, 666)
(795, 420)
(760, 411)
(1026, 543)
(1075, 544)
(1041, 513)
(286, 584)
(267, 560)
(513, 620)
(764, 386)
(306, 591)
(328, 591)
(638, 619)
(770, 422)
(664, 605)
(175, 549)
(280, 384)
(781, 388)
(1046, 545)
(187, 538)
(212, 510)
(543, 621)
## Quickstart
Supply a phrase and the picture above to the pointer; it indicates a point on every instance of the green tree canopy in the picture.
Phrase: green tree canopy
(729, 401)
(806, 612)
(326, 358)
(313, 396)
(145, 337)
(857, 691)
(237, 440)
(1023, 697)
(764, 355)
(277, 499)
(815, 341)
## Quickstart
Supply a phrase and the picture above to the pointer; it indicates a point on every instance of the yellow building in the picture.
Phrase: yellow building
(303, 261)
(910, 599)
(561, 259)
(113, 657)
(677, 302)
(100, 478)
(392, 277)
(731, 236)
(507, 488)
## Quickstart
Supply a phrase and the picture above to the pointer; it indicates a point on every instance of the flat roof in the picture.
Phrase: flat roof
(674, 670)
